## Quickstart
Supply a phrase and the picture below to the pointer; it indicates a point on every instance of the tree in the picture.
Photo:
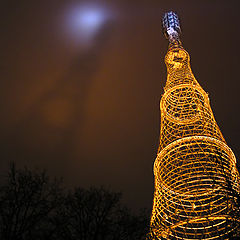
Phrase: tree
(28, 201)
(88, 214)
(32, 206)
(97, 214)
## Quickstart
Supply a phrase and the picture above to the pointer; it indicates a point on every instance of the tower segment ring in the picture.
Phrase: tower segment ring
(170, 100)
(176, 58)
(201, 140)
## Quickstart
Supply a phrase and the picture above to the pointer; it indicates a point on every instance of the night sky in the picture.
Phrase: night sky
(81, 83)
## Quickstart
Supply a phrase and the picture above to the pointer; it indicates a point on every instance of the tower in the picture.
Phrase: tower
(196, 180)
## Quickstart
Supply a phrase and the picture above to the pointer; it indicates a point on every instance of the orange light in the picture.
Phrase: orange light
(196, 179)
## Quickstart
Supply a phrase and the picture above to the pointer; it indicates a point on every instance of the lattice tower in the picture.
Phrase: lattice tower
(196, 180)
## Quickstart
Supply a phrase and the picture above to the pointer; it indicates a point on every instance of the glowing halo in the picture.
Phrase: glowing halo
(83, 21)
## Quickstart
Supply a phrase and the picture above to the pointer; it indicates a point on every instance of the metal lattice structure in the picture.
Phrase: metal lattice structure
(196, 179)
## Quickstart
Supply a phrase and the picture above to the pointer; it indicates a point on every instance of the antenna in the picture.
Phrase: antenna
(171, 26)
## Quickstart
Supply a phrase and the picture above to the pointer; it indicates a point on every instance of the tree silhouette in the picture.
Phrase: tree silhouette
(97, 214)
(34, 207)
(27, 202)
(88, 214)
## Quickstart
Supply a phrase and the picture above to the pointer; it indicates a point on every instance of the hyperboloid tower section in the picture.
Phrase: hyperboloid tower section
(196, 180)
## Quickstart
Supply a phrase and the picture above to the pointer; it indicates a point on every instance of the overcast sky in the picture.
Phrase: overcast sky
(81, 83)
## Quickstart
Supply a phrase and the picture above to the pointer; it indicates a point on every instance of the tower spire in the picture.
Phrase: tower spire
(171, 27)
(196, 180)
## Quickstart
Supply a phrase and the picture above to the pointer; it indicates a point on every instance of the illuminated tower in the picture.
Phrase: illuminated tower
(196, 180)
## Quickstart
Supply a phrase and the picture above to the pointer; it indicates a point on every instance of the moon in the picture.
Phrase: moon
(84, 21)
(90, 19)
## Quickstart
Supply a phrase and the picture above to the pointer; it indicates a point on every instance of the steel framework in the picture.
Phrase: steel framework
(196, 180)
